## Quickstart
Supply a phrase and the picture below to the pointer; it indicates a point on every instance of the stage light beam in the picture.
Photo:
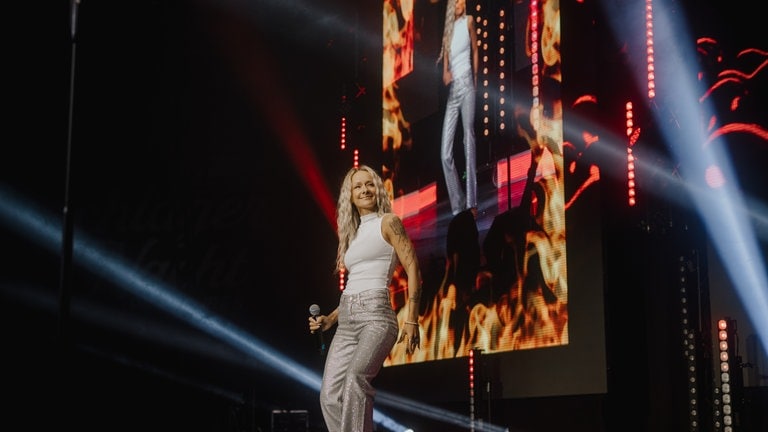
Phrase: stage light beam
(45, 231)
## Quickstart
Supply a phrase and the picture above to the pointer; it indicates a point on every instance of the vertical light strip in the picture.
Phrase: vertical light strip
(481, 29)
(689, 349)
(501, 42)
(724, 415)
(649, 52)
(533, 18)
(344, 109)
(472, 390)
(631, 139)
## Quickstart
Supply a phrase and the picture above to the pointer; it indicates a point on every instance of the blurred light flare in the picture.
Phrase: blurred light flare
(721, 207)
(45, 231)
(258, 74)
(726, 221)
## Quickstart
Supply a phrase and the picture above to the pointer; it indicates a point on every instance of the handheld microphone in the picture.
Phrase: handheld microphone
(314, 310)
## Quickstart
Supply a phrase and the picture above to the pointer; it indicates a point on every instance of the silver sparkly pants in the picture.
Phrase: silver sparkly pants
(367, 331)
(461, 100)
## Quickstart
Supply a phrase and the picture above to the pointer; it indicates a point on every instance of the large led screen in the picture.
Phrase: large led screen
(518, 278)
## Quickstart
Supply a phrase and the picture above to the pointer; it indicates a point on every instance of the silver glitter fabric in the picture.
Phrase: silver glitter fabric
(461, 99)
(367, 330)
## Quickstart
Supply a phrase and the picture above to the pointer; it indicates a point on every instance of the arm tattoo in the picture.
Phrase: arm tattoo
(402, 239)
(397, 228)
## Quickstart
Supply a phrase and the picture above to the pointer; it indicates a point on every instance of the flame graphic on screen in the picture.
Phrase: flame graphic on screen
(533, 310)
(397, 61)
(533, 313)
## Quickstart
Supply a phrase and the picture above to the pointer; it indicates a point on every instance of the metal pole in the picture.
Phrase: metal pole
(67, 225)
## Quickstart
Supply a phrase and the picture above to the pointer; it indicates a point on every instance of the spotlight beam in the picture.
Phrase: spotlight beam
(719, 203)
(186, 309)
(255, 67)
(25, 220)
(429, 411)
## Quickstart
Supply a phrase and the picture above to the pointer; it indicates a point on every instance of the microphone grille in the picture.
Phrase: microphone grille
(314, 310)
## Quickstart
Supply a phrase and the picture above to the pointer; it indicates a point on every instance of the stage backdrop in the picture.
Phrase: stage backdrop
(521, 285)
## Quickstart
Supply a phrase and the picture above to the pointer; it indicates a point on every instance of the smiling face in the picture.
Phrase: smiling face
(363, 192)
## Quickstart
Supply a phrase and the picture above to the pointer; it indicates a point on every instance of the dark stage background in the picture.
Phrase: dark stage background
(204, 153)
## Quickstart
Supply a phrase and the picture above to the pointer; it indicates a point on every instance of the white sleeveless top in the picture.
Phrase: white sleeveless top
(370, 260)
(461, 52)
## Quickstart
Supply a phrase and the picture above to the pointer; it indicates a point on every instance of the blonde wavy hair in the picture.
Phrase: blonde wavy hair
(347, 216)
(450, 19)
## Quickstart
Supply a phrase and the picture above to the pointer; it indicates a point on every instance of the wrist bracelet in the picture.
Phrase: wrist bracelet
(411, 322)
